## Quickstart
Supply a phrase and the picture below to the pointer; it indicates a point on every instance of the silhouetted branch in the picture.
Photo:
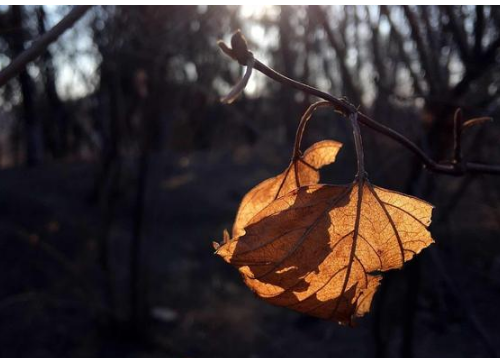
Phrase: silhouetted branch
(404, 56)
(432, 35)
(340, 49)
(243, 55)
(457, 136)
(458, 32)
(377, 56)
(431, 75)
(41, 44)
(475, 71)
(479, 30)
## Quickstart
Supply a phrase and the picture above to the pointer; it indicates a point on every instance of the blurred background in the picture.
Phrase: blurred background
(119, 166)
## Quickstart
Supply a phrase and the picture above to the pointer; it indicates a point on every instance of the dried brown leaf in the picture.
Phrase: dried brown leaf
(319, 249)
(300, 172)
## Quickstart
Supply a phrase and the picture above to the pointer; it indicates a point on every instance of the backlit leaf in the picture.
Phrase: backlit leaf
(320, 248)
(300, 172)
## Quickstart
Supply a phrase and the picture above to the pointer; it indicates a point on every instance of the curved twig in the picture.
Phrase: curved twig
(302, 125)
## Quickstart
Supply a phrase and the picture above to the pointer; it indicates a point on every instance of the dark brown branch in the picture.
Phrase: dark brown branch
(339, 46)
(479, 30)
(404, 56)
(432, 34)
(41, 44)
(457, 136)
(472, 73)
(431, 75)
(346, 108)
(377, 56)
(458, 32)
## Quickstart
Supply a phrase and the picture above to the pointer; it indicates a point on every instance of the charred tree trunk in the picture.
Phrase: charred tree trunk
(286, 94)
(147, 111)
(32, 125)
(56, 126)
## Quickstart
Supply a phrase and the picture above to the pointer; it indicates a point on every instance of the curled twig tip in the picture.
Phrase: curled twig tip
(240, 86)
(238, 52)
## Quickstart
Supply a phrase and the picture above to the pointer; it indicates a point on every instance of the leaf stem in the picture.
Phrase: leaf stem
(302, 125)
(358, 144)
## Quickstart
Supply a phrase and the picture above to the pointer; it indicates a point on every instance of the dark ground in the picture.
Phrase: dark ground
(51, 282)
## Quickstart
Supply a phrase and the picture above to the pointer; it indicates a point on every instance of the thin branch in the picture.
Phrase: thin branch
(457, 136)
(41, 44)
(458, 32)
(472, 73)
(339, 46)
(432, 34)
(431, 74)
(404, 56)
(346, 108)
(479, 67)
(479, 30)
(376, 46)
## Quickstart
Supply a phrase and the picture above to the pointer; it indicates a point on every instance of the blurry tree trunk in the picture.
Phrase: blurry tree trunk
(411, 306)
(404, 58)
(108, 180)
(339, 46)
(32, 125)
(106, 189)
(56, 126)
(147, 108)
(286, 94)
(385, 79)
(138, 281)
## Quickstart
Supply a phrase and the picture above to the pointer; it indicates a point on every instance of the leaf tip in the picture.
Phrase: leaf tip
(225, 236)
(225, 240)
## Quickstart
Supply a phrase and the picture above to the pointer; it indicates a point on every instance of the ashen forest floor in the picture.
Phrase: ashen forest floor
(49, 273)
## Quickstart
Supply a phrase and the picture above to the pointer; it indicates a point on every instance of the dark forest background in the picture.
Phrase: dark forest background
(119, 166)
